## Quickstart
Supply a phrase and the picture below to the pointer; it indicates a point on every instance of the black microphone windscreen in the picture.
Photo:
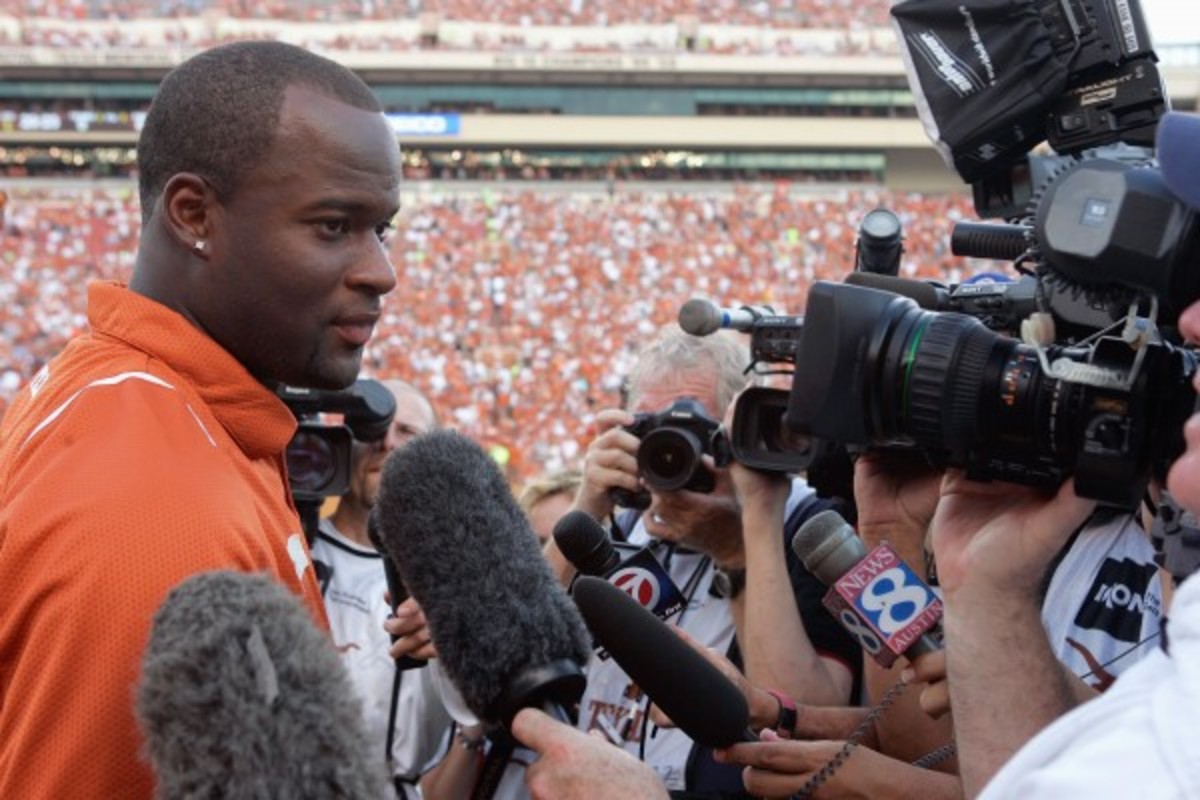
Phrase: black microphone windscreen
(585, 543)
(242, 696)
(827, 546)
(705, 704)
(925, 295)
(467, 554)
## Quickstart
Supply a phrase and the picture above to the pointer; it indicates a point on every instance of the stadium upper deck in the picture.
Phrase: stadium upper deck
(775, 80)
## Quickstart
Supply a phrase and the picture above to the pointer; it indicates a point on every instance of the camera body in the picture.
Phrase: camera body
(879, 371)
(318, 457)
(674, 441)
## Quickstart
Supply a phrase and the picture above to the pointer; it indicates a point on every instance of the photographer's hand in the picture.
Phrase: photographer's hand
(896, 494)
(993, 543)
(776, 649)
(610, 462)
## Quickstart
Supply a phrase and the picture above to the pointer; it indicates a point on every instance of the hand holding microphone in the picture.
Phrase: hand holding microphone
(875, 595)
(581, 766)
(411, 639)
(506, 633)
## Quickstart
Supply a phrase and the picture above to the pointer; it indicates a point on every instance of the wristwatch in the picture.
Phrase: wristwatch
(728, 583)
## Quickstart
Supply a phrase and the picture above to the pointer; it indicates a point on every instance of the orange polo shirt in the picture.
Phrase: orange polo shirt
(143, 454)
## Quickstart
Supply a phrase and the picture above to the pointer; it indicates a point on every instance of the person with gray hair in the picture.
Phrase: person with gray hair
(742, 591)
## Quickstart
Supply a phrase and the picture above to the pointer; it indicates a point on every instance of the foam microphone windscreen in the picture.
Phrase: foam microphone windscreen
(697, 697)
(242, 696)
(585, 543)
(506, 633)
(827, 546)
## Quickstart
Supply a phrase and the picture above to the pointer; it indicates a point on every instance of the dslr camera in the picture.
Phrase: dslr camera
(670, 455)
(1097, 386)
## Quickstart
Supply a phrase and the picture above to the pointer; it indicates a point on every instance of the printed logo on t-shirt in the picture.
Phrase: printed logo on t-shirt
(298, 553)
(1117, 601)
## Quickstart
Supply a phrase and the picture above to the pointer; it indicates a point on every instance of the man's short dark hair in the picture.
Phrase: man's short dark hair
(216, 113)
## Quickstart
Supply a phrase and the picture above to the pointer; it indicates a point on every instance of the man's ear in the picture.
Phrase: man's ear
(189, 210)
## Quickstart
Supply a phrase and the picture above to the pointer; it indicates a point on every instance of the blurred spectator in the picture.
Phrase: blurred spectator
(547, 497)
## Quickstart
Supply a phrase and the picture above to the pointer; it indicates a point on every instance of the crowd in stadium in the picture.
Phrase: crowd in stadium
(492, 325)
(780, 13)
(778, 27)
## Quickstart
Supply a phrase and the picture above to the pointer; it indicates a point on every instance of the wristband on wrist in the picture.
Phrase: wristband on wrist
(785, 725)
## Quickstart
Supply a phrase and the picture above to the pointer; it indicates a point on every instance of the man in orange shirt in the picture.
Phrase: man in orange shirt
(152, 447)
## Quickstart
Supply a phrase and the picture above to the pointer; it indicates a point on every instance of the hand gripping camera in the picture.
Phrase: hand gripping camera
(670, 456)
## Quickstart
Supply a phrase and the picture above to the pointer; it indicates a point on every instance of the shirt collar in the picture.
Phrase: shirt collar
(260, 423)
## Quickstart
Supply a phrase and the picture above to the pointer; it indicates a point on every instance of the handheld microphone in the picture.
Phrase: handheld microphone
(876, 596)
(397, 591)
(242, 696)
(585, 543)
(590, 550)
(705, 704)
(506, 633)
(701, 317)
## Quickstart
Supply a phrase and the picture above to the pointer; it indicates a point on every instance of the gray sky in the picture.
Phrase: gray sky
(1173, 21)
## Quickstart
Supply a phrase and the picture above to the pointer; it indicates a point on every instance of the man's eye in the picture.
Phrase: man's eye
(334, 227)
(384, 231)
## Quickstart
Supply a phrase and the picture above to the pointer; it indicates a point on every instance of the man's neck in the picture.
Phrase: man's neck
(350, 519)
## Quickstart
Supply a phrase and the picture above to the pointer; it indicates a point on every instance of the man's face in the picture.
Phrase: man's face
(303, 269)
(709, 522)
(413, 417)
(1183, 481)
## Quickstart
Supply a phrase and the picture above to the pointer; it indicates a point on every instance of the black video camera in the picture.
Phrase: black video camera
(874, 369)
(1093, 389)
(670, 455)
(318, 457)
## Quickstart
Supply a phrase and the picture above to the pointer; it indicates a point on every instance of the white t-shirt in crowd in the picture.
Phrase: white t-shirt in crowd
(1111, 591)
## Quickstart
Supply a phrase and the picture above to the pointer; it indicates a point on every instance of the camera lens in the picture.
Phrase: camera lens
(311, 462)
(669, 457)
(971, 397)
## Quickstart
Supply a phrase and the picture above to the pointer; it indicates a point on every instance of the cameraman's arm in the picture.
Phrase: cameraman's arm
(611, 461)
(993, 542)
(776, 648)
(897, 494)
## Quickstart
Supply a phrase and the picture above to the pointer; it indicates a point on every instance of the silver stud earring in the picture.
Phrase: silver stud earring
(199, 247)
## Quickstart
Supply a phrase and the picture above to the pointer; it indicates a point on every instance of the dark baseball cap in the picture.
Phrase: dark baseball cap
(1179, 155)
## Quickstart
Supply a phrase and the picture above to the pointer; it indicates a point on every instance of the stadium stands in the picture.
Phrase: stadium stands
(518, 312)
(783, 27)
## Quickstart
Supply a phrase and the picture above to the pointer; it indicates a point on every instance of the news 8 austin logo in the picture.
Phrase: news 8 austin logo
(883, 604)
